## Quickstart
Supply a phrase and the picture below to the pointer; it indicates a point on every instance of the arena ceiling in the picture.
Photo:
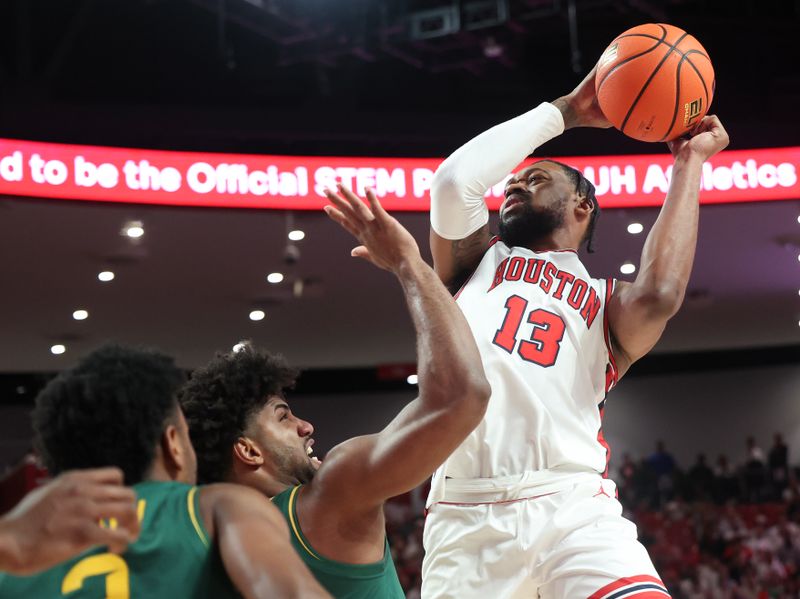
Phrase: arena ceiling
(344, 78)
(395, 77)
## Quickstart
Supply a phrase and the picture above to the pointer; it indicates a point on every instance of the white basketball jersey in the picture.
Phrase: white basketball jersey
(540, 324)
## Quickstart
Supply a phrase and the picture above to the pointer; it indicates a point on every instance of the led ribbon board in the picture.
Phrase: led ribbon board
(103, 174)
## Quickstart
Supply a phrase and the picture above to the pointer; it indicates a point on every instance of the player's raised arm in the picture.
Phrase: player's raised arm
(253, 541)
(639, 311)
(459, 216)
(62, 519)
(453, 391)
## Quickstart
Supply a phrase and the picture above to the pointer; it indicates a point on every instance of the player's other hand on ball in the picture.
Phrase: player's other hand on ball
(580, 107)
(384, 241)
(63, 518)
(705, 140)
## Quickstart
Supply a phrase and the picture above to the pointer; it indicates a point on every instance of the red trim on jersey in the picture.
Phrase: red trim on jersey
(492, 241)
(646, 594)
(612, 376)
(629, 580)
(554, 251)
(602, 440)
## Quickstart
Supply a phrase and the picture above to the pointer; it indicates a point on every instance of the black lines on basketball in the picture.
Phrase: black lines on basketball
(662, 41)
(696, 70)
(678, 88)
(630, 58)
(677, 98)
(649, 79)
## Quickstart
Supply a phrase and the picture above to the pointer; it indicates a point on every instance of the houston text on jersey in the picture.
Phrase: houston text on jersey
(560, 284)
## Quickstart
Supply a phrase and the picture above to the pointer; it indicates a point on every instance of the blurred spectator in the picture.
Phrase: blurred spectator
(700, 480)
(661, 461)
(754, 471)
(662, 465)
(626, 479)
(726, 484)
(778, 461)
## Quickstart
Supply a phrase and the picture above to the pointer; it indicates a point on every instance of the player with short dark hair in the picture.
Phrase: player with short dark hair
(245, 431)
(118, 407)
(523, 507)
(111, 410)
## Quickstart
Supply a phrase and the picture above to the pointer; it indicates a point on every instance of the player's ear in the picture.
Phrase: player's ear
(247, 452)
(583, 207)
(173, 450)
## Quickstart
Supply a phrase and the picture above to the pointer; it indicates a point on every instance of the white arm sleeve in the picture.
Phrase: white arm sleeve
(457, 205)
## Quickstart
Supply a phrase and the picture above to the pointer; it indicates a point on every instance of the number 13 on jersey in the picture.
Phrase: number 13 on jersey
(545, 341)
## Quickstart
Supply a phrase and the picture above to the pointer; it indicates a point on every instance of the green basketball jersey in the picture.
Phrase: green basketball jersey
(344, 581)
(172, 558)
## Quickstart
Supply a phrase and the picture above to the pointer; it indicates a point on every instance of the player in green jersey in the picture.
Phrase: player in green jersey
(118, 408)
(51, 524)
(245, 432)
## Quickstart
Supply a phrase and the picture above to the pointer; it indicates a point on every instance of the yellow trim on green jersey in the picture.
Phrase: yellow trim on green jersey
(140, 507)
(377, 580)
(190, 505)
(293, 522)
(168, 561)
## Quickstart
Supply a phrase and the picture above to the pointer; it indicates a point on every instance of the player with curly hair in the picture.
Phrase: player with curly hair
(245, 431)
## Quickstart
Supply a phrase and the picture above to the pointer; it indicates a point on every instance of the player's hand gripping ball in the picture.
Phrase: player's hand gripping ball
(654, 82)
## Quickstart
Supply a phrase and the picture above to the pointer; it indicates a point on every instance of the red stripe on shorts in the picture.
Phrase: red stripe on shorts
(622, 582)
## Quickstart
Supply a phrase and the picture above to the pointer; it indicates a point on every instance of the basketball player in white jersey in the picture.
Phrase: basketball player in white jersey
(522, 508)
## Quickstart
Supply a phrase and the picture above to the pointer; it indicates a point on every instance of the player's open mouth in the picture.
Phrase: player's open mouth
(513, 199)
(310, 453)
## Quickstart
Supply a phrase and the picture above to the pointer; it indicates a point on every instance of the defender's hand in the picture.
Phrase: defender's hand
(385, 242)
(62, 519)
(580, 107)
(705, 140)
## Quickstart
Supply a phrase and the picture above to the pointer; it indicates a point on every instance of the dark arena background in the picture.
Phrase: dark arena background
(704, 432)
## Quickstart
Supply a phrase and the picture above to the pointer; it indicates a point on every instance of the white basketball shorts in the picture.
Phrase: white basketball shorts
(560, 537)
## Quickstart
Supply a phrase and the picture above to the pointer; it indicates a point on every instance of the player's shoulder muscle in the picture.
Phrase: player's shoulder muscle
(454, 260)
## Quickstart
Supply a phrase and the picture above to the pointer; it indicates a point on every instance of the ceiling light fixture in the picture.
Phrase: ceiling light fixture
(57, 349)
(80, 314)
(627, 268)
(275, 277)
(257, 315)
(106, 276)
(412, 379)
(297, 235)
(133, 229)
(635, 228)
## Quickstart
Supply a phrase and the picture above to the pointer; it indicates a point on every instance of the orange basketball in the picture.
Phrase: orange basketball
(654, 82)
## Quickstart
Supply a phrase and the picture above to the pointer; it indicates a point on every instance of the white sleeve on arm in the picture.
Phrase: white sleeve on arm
(457, 205)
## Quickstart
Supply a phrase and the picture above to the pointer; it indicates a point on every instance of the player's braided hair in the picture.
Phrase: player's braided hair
(220, 398)
(584, 188)
(110, 410)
